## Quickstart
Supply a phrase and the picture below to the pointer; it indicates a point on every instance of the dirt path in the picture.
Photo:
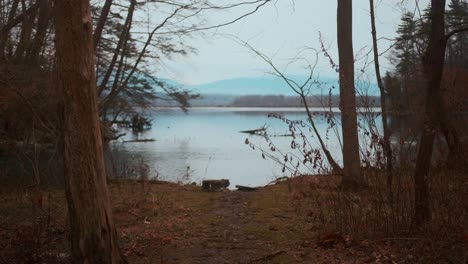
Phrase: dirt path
(227, 238)
(265, 227)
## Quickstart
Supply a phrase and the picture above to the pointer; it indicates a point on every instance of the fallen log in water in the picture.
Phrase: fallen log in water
(117, 136)
(257, 131)
(139, 140)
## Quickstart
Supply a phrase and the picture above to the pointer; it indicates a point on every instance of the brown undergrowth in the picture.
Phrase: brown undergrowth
(382, 220)
(302, 220)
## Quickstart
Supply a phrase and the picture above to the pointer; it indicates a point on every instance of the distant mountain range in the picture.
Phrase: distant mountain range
(264, 92)
(271, 86)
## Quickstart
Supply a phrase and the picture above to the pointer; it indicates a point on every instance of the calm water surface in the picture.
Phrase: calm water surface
(205, 143)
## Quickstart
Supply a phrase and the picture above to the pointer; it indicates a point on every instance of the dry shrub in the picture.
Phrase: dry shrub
(374, 211)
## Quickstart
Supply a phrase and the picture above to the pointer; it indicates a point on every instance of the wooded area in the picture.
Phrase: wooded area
(72, 72)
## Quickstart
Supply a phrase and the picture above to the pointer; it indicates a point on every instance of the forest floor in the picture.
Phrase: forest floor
(169, 223)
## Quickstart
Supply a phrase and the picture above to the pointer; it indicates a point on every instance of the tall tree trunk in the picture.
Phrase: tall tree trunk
(351, 161)
(433, 67)
(383, 101)
(92, 231)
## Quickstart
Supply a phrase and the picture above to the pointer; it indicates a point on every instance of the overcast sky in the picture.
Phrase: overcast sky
(281, 31)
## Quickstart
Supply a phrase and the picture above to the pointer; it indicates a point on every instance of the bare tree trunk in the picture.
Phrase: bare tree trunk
(455, 157)
(4, 33)
(92, 231)
(351, 161)
(433, 67)
(120, 45)
(117, 89)
(383, 102)
(101, 22)
(41, 31)
(18, 19)
(452, 138)
(26, 32)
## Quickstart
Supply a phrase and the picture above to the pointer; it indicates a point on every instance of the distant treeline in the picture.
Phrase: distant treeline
(271, 101)
(295, 101)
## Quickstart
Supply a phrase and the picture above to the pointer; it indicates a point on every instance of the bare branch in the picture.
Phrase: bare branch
(299, 90)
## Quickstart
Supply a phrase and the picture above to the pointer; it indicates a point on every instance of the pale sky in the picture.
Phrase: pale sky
(280, 31)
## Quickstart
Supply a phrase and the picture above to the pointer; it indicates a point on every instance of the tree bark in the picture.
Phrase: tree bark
(351, 161)
(383, 101)
(92, 231)
(433, 68)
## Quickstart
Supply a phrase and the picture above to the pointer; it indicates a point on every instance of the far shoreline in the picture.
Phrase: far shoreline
(262, 109)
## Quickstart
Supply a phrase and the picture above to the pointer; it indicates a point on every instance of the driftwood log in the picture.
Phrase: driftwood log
(215, 185)
(246, 188)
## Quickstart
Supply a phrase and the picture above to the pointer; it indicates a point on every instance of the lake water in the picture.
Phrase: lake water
(205, 143)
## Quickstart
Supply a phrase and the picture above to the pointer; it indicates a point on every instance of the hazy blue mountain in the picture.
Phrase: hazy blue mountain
(264, 91)
(268, 86)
